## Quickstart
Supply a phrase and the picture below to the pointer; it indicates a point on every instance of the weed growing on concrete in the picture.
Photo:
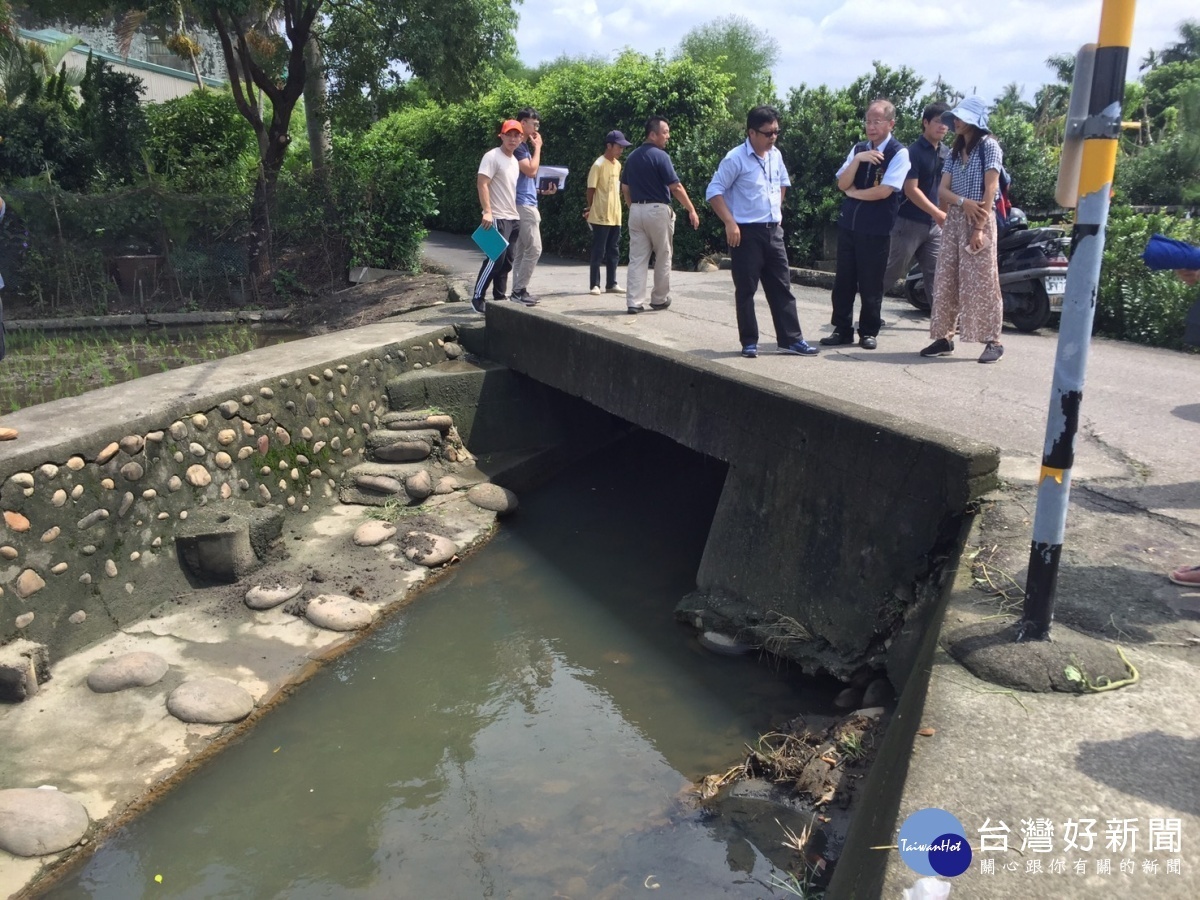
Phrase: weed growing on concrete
(781, 632)
(996, 583)
(851, 746)
(802, 885)
(393, 509)
(282, 458)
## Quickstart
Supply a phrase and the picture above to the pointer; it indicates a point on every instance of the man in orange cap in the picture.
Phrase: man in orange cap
(497, 186)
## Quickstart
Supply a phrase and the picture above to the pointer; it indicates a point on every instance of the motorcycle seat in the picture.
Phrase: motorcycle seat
(1025, 237)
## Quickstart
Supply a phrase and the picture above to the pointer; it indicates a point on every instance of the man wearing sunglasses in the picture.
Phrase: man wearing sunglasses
(747, 194)
(872, 178)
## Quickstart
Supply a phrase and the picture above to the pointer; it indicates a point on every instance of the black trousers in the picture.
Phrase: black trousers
(495, 272)
(861, 262)
(761, 256)
(606, 248)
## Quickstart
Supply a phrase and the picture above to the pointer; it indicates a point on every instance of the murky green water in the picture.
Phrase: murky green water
(526, 728)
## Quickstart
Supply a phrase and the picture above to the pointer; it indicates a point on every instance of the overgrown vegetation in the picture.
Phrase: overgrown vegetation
(83, 361)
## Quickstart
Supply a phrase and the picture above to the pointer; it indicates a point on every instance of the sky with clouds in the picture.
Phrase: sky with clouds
(834, 41)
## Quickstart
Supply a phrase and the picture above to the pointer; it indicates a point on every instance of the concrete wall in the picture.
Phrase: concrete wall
(94, 490)
(834, 520)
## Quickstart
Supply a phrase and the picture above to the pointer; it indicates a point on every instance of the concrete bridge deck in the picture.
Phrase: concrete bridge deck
(1141, 409)
(1131, 754)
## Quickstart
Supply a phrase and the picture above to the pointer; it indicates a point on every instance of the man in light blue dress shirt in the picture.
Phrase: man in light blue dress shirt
(747, 195)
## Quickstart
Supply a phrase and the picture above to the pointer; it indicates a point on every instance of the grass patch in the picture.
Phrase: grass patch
(42, 366)
(393, 510)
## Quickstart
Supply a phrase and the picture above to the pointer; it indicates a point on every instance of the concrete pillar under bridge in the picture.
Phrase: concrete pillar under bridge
(835, 521)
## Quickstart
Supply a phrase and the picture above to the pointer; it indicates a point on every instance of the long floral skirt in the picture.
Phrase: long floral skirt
(966, 292)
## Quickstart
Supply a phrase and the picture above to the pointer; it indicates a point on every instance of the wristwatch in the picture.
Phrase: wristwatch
(960, 201)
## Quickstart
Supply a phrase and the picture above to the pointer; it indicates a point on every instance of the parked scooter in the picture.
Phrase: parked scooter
(1033, 273)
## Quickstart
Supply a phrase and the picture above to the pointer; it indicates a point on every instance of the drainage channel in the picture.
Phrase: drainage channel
(531, 726)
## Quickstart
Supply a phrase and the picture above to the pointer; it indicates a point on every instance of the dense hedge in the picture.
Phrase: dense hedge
(201, 142)
(57, 247)
(578, 104)
(383, 198)
(1136, 304)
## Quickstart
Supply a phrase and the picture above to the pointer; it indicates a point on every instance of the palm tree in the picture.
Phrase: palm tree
(25, 66)
(1187, 48)
(1009, 103)
(1052, 100)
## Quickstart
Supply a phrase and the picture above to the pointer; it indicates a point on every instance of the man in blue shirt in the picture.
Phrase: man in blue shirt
(747, 194)
(871, 178)
(648, 183)
(919, 221)
(529, 245)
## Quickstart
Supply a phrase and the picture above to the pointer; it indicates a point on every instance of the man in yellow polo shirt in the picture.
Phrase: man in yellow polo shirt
(603, 211)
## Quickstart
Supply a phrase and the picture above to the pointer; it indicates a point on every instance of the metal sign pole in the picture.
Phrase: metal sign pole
(1100, 131)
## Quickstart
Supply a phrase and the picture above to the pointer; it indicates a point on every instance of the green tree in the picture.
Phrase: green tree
(1187, 48)
(1168, 171)
(820, 125)
(579, 103)
(1009, 103)
(112, 124)
(1051, 100)
(745, 53)
(1032, 163)
(264, 44)
(374, 49)
(1164, 88)
(200, 142)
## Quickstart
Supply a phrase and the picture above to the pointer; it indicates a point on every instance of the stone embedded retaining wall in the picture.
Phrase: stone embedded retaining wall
(88, 540)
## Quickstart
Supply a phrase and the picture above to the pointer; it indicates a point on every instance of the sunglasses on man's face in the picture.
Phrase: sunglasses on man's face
(768, 134)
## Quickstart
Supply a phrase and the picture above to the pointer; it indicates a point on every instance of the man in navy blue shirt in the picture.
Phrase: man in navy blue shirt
(919, 221)
(871, 178)
(747, 194)
(648, 182)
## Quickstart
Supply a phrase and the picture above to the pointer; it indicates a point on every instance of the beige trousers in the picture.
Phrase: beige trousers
(651, 230)
(529, 246)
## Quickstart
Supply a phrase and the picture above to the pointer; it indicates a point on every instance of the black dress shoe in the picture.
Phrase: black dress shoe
(836, 339)
(867, 342)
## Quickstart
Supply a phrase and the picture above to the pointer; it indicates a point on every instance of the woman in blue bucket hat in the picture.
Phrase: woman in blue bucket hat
(966, 293)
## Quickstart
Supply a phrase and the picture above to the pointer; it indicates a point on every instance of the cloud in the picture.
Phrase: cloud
(976, 48)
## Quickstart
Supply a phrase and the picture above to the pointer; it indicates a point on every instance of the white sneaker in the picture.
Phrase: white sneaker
(595, 291)
(615, 289)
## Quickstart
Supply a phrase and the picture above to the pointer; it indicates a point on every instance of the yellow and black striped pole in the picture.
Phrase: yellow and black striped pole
(1101, 130)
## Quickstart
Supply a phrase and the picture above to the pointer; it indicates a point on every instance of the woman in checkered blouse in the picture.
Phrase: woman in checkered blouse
(966, 295)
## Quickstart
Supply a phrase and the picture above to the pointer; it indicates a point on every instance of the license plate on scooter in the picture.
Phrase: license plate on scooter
(1056, 286)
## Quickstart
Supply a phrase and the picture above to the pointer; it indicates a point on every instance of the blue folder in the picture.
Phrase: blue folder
(490, 241)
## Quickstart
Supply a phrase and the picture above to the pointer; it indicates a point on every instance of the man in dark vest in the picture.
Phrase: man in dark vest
(871, 178)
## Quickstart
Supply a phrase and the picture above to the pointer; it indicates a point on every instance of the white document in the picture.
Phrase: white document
(547, 174)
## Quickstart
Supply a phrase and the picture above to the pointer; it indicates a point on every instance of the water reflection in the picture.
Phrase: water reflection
(527, 728)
